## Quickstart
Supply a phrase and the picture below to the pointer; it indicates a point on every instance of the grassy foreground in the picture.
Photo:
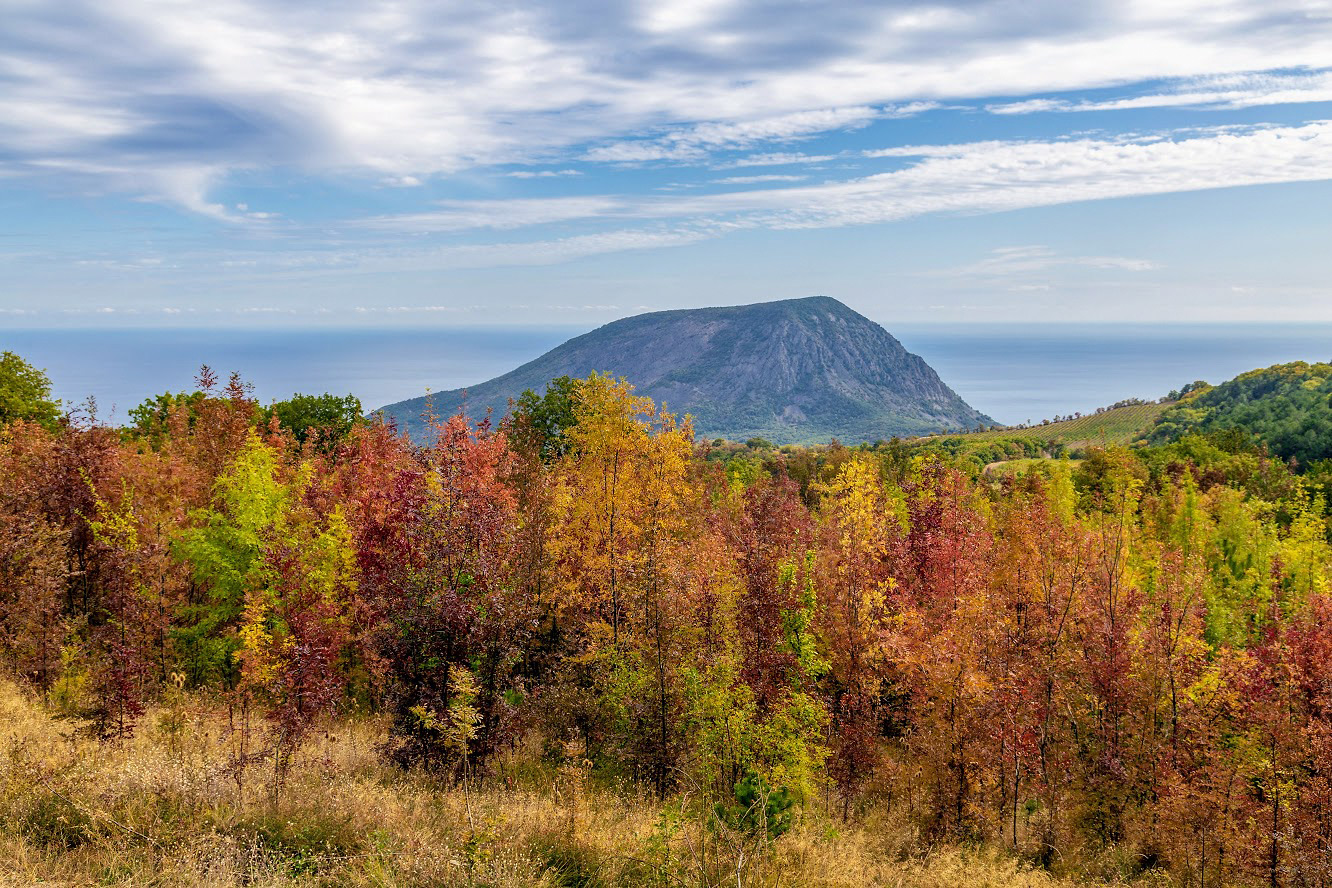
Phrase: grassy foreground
(167, 808)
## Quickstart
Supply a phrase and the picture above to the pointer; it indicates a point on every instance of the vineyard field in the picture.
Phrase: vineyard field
(1120, 425)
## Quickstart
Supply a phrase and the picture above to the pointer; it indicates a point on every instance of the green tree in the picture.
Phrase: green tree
(540, 421)
(328, 418)
(152, 418)
(225, 550)
(25, 393)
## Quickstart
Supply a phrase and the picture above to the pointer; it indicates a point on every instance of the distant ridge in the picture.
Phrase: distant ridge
(794, 371)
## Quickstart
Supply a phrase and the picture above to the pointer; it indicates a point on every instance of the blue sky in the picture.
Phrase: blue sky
(428, 163)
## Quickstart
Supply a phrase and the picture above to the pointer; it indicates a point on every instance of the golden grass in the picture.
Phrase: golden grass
(163, 809)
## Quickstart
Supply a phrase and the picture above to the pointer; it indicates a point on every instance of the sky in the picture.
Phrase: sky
(432, 163)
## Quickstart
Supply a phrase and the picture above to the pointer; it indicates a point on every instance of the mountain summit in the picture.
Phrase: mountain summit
(795, 371)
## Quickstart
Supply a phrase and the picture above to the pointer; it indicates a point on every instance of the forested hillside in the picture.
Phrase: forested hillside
(1287, 407)
(576, 649)
(1285, 410)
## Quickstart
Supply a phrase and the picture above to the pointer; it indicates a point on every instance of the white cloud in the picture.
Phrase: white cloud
(165, 99)
(997, 176)
(189, 187)
(1036, 259)
(1028, 106)
(1228, 92)
(463, 215)
(666, 16)
(542, 174)
(754, 180)
(909, 109)
(589, 245)
(147, 263)
(981, 177)
(774, 159)
(698, 141)
(934, 150)
(541, 252)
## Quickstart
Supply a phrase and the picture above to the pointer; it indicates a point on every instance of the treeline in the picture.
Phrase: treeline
(1136, 654)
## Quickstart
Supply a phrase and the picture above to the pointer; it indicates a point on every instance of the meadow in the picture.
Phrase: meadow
(168, 807)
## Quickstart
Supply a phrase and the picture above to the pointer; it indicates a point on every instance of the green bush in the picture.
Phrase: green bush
(758, 807)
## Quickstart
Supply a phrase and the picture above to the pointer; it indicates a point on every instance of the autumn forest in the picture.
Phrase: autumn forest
(1115, 668)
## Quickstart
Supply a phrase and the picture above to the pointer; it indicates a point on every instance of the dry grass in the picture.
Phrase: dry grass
(163, 809)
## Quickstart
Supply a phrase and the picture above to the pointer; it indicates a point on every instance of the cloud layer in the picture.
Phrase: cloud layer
(163, 98)
(160, 147)
(981, 177)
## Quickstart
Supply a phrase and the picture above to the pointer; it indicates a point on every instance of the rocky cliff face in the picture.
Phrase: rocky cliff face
(796, 371)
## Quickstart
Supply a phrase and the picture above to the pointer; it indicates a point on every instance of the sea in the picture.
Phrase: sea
(1015, 373)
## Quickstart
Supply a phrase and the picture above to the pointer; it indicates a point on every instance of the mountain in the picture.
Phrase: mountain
(795, 371)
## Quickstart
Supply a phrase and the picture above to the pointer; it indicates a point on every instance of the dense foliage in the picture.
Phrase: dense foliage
(25, 392)
(1288, 408)
(325, 418)
(1134, 652)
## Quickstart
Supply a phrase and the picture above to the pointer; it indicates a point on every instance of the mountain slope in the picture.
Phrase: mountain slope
(796, 371)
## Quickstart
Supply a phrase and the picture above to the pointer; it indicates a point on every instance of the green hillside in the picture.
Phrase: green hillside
(1117, 425)
(1287, 407)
